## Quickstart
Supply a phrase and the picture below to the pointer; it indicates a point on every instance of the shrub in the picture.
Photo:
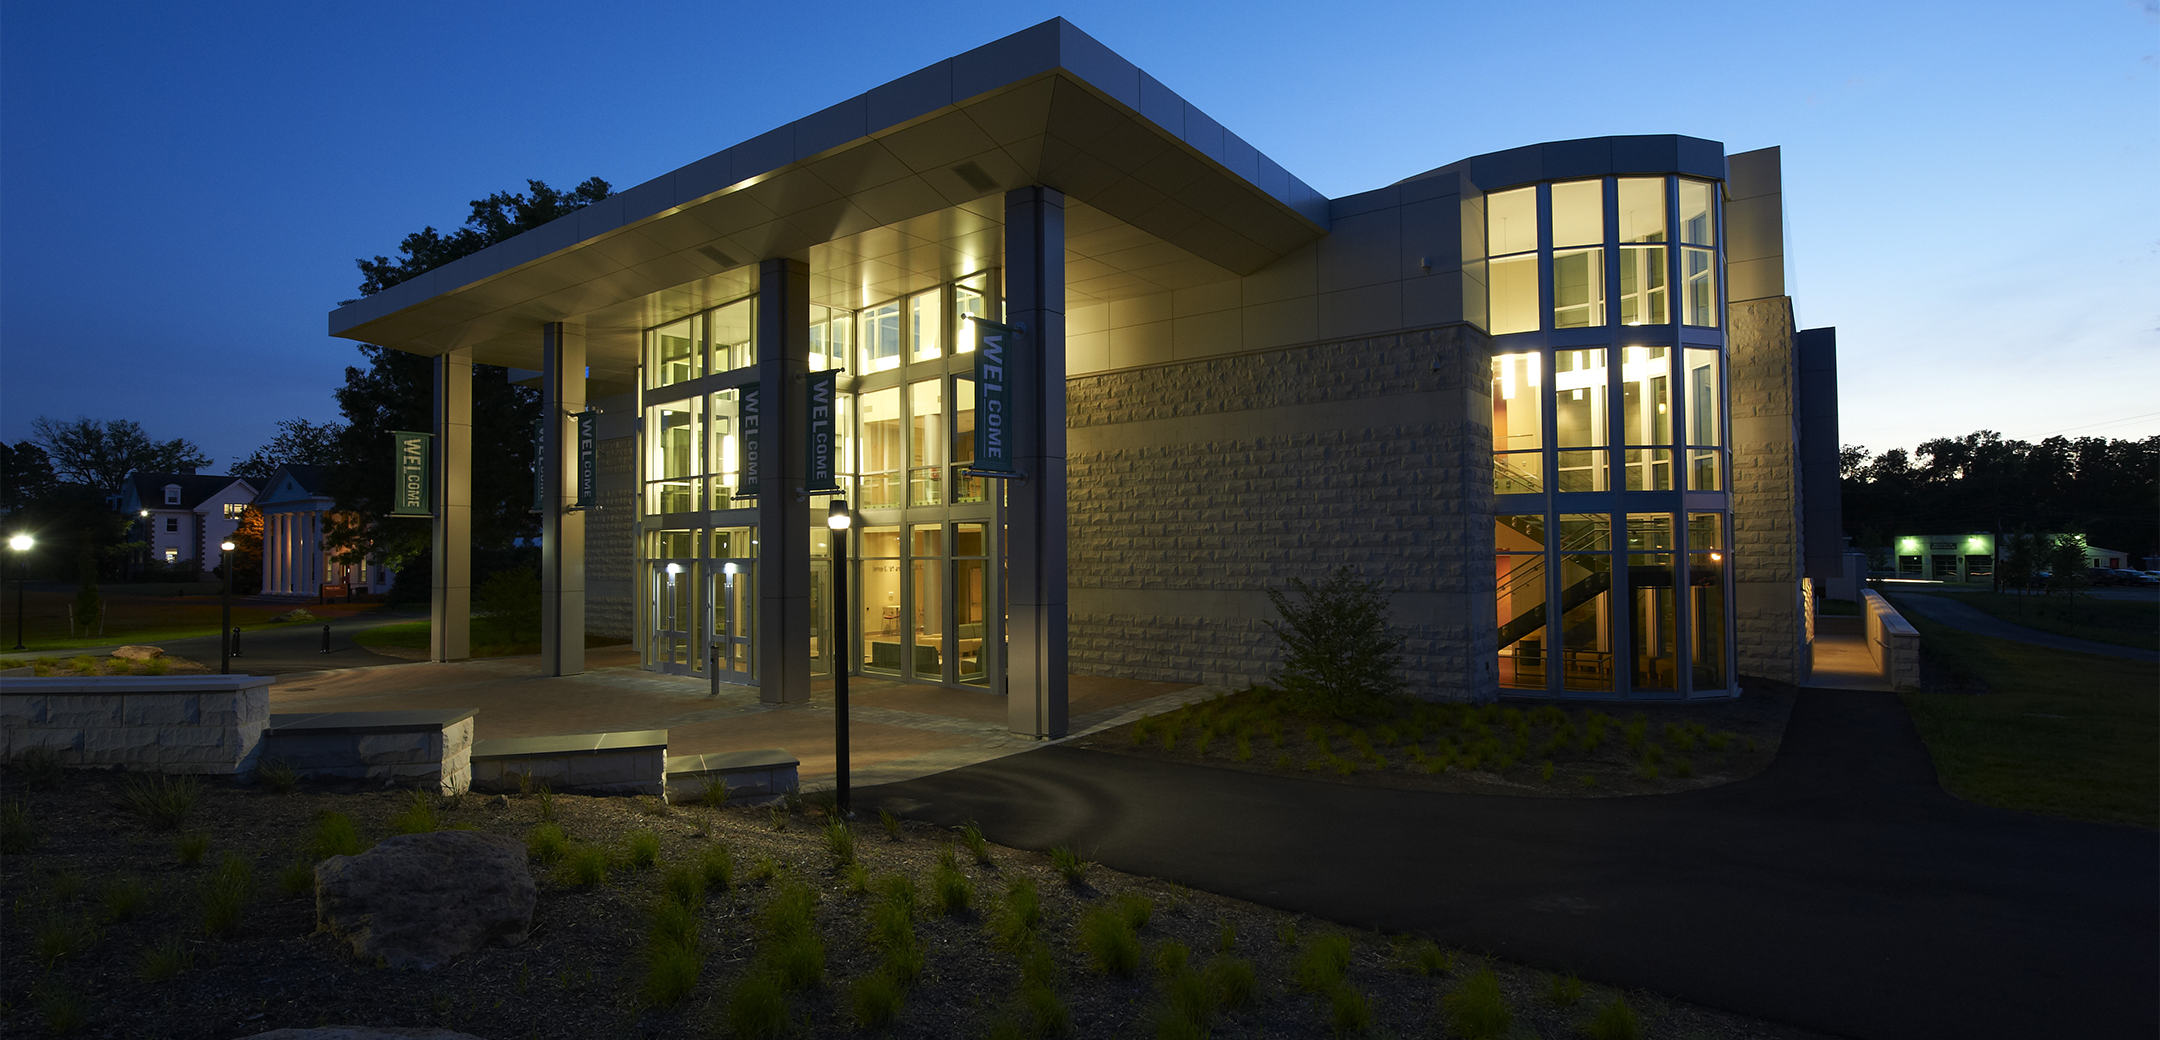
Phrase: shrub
(1564, 990)
(673, 922)
(1614, 1021)
(1018, 913)
(1068, 864)
(66, 886)
(164, 801)
(643, 852)
(1683, 767)
(891, 824)
(1171, 958)
(758, 1008)
(1336, 642)
(190, 848)
(64, 1007)
(839, 841)
(875, 999)
(1323, 963)
(1286, 933)
(1233, 981)
(278, 775)
(125, 899)
(418, 817)
(1476, 1010)
(17, 834)
(684, 885)
(1225, 937)
(547, 844)
(899, 890)
(979, 848)
(1188, 1004)
(1045, 1012)
(1243, 752)
(225, 895)
(717, 867)
(1718, 741)
(165, 960)
(544, 799)
(335, 836)
(584, 865)
(1039, 967)
(799, 961)
(60, 936)
(779, 818)
(858, 879)
(1348, 1010)
(892, 927)
(1427, 958)
(950, 890)
(671, 970)
(1136, 909)
(714, 792)
(1109, 941)
(297, 879)
(764, 868)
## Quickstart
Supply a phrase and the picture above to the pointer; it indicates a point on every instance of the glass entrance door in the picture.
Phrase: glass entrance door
(673, 614)
(731, 595)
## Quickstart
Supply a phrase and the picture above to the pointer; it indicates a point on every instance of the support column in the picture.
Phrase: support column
(1035, 519)
(783, 562)
(562, 529)
(450, 594)
(273, 577)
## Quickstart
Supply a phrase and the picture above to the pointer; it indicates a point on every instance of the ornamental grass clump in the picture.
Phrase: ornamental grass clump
(17, 834)
(225, 894)
(1069, 865)
(335, 835)
(1476, 1010)
(125, 899)
(163, 801)
(839, 842)
(674, 956)
(1323, 963)
(163, 961)
(547, 843)
(189, 849)
(1110, 942)
(977, 846)
(950, 890)
(1614, 1021)
(419, 816)
(642, 851)
(1338, 649)
(716, 866)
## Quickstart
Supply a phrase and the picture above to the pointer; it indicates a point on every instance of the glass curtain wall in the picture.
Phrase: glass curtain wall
(1610, 457)
(699, 556)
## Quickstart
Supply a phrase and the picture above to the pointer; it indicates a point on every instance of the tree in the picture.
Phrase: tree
(298, 441)
(26, 477)
(496, 218)
(101, 455)
(247, 554)
(512, 597)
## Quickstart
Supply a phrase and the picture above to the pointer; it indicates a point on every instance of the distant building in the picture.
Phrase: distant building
(295, 502)
(184, 514)
(1971, 557)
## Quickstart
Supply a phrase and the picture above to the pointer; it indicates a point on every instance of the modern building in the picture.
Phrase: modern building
(1553, 398)
(296, 502)
(183, 515)
(1972, 557)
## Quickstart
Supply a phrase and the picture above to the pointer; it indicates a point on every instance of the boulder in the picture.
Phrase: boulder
(138, 653)
(419, 900)
(362, 1033)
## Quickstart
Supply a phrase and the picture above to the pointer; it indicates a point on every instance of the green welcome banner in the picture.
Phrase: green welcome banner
(414, 453)
(822, 471)
(994, 419)
(749, 399)
(588, 458)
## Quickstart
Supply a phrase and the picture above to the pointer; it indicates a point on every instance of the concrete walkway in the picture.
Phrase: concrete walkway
(1840, 890)
(1839, 658)
(1948, 611)
(896, 731)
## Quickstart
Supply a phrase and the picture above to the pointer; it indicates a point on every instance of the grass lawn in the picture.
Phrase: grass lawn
(140, 618)
(2122, 622)
(2057, 732)
(490, 638)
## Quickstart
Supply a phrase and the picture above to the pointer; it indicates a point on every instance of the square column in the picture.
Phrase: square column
(562, 528)
(1035, 703)
(450, 594)
(783, 558)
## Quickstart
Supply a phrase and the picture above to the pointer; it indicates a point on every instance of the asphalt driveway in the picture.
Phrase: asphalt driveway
(1841, 890)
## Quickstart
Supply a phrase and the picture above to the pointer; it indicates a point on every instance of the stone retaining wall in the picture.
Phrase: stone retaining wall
(431, 749)
(209, 724)
(594, 763)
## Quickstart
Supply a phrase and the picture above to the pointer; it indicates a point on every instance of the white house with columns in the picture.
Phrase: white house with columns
(295, 504)
(183, 515)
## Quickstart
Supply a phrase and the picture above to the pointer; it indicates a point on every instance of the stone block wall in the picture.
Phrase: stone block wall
(611, 543)
(164, 724)
(1197, 487)
(435, 756)
(574, 763)
(1767, 542)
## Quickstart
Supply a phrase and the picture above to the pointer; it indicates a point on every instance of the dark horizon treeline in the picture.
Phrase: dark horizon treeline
(2104, 488)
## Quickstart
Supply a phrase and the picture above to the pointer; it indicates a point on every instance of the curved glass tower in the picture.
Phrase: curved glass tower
(1611, 472)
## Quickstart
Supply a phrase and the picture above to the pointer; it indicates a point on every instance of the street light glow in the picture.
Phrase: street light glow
(227, 546)
(21, 543)
(836, 515)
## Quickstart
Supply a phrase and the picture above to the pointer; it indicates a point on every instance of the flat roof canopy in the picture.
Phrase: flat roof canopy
(893, 190)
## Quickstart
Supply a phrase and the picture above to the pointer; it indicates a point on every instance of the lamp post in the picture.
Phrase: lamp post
(21, 544)
(225, 639)
(837, 521)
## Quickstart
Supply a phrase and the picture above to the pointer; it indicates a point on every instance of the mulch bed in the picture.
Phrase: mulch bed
(1498, 748)
(581, 973)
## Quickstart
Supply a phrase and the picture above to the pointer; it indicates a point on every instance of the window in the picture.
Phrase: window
(1578, 220)
(969, 300)
(672, 432)
(677, 357)
(1586, 572)
(1518, 426)
(172, 556)
(1646, 417)
(1705, 421)
(1580, 418)
(1642, 267)
(732, 330)
(725, 453)
(172, 525)
(926, 442)
(879, 600)
(1698, 252)
(1651, 614)
(1519, 586)
(926, 328)
(881, 338)
(970, 564)
(926, 598)
(1511, 228)
(880, 439)
(172, 494)
(831, 333)
(1706, 600)
(965, 489)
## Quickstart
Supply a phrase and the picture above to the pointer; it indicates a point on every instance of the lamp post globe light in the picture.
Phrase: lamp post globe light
(225, 639)
(837, 520)
(21, 544)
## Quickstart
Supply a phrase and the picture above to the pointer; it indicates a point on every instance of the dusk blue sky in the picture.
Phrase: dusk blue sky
(1969, 188)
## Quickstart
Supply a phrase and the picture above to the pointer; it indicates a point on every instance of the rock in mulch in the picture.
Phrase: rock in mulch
(419, 900)
(138, 653)
(361, 1033)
